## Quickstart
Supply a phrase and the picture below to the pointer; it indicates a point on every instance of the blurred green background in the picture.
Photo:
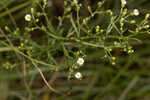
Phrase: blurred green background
(129, 79)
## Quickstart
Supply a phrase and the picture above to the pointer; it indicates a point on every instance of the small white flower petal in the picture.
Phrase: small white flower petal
(136, 12)
(78, 75)
(27, 17)
(80, 61)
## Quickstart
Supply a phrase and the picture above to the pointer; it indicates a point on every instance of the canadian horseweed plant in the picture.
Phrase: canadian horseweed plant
(63, 46)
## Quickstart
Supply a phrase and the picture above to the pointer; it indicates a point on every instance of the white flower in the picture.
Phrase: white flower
(80, 61)
(136, 12)
(27, 17)
(124, 2)
(78, 75)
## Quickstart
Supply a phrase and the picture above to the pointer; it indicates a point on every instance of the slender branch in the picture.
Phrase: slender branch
(24, 66)
(25, 81)
(11, 45)
(22, 62)
(48, 85)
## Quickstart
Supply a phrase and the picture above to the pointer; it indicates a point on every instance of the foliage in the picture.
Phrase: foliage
(82, 41)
